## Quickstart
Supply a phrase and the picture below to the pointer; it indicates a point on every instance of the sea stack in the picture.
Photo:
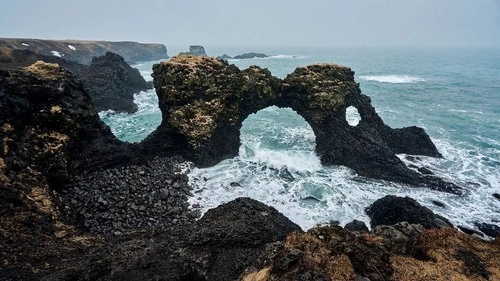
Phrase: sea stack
(197, 50)
(204, 102)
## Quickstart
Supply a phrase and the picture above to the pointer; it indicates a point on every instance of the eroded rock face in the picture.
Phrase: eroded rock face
(45, 106)
(112, 83)
(49, 132)
(204, 102)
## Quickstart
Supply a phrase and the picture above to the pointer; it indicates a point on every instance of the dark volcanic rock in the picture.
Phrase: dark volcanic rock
(197, 50)
(469, 231)
(250, 56)
(83, 51)
(204, 102)
(356, 225)
(117, 199)
(218, 247)
(391, 209)
(489, 229)
(48, 121)
(496, 195)
(112, 83)
(401, 252)
(49, 132)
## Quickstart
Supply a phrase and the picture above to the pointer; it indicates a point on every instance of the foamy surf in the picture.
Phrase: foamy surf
(272, 57)
(392, 79)
(293, 181)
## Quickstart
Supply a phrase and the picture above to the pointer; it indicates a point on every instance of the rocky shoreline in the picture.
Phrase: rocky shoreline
(78, 204)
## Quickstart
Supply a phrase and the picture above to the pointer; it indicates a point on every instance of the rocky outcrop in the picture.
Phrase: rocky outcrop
(391, 209)
(403, 252)
(217, 247)
(204, 102)
(49, 132)
(250, 56)
(224, 57)
(83, 51)
(49, 123)
(112, 83)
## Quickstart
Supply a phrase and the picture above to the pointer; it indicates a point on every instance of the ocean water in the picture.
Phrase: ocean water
(454, 94)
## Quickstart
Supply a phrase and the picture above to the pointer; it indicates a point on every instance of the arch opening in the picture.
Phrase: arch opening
(279, 138)
(352, 116)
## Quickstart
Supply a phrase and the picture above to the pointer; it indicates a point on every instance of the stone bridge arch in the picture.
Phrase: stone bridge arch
(204, 102)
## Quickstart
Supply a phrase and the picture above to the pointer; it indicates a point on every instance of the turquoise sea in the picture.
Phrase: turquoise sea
(454, 94)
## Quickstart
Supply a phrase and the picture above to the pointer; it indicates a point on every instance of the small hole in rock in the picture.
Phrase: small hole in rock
(352, 116)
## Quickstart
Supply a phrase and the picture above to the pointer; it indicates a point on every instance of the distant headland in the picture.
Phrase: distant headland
(83, 51)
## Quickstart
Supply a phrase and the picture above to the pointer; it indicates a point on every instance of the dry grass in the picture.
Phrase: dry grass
(442, 249)
(262, 275)
(49, 71)
(55, 109)
(192, 60)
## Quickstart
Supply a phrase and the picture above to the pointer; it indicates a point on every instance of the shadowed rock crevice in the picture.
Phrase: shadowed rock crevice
(204, 102)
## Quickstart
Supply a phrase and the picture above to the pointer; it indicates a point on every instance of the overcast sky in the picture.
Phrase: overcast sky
(259, 22)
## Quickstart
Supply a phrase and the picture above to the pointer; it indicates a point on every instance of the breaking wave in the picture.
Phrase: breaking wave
(392, 79)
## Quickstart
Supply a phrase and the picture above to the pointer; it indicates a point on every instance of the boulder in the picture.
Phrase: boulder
(250, 56)
(204, 102)
(112, 83)
(356, 225)
(489, 229)
(391, 209)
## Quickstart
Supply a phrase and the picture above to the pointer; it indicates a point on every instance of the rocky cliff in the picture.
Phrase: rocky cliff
(111, 82)
(83, 51)
(204, 102)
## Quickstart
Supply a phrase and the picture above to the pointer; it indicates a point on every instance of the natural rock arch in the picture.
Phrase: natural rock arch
(204, 102)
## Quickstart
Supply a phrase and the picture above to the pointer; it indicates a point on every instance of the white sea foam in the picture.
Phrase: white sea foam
(56, 53)
(285, 57)
(294, 182)
(273, 57)
(72, 47)
(392, 79)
